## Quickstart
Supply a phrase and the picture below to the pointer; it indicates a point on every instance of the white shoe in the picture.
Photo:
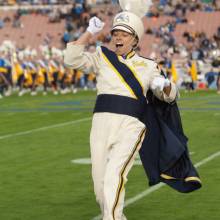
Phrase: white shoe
(8, 93)
(44, 93)
(64, 91)
(33, 93)
(68, 90)
(21, 93)
(1, 96)
(55, 92)
(75, 91)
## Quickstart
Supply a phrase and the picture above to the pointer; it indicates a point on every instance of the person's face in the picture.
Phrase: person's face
(123, 42)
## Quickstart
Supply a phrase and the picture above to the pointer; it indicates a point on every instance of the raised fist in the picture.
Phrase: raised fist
(95, 25)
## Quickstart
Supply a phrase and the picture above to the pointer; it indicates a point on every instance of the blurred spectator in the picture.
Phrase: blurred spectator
(54, 16)
(2, 24)
(218, 83)
(217, 37)
(66, 37)
(16, 23)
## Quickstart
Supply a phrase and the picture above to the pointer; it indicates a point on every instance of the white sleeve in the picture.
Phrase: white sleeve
(160, 94)
(76, 58)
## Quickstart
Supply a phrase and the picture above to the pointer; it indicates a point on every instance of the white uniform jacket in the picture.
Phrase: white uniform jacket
(109, 81)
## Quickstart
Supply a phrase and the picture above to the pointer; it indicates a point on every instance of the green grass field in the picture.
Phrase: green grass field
(41, 135)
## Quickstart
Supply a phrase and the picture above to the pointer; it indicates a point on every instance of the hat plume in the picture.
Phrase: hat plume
(138, 7)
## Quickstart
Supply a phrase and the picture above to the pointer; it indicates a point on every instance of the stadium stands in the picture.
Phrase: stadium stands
(27, 35)
(34, 30)
(174, 34)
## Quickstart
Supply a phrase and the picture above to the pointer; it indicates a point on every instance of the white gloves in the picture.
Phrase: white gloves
(95, 25)
(159, 83)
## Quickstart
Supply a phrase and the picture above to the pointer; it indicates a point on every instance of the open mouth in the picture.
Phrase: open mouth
(119, 45)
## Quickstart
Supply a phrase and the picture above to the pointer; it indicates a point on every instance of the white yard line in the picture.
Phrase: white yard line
(206, 160)
(87, 161)
(10, 113)
(44, 128)
(44, 113)
(158, 186)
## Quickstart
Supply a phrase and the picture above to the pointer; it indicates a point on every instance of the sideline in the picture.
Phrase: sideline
(44, 128)
(158, 186)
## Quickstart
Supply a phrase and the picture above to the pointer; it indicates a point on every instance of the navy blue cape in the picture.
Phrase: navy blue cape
(164, 152)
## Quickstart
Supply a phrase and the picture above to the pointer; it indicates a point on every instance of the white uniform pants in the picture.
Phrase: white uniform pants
(115, 141)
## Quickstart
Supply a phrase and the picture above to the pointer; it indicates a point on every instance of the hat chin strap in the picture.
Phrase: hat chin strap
(136, 45)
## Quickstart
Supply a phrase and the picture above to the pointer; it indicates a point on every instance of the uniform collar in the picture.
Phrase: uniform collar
(128, 56)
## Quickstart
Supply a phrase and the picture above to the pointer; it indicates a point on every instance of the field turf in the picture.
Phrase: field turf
(41, 135)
